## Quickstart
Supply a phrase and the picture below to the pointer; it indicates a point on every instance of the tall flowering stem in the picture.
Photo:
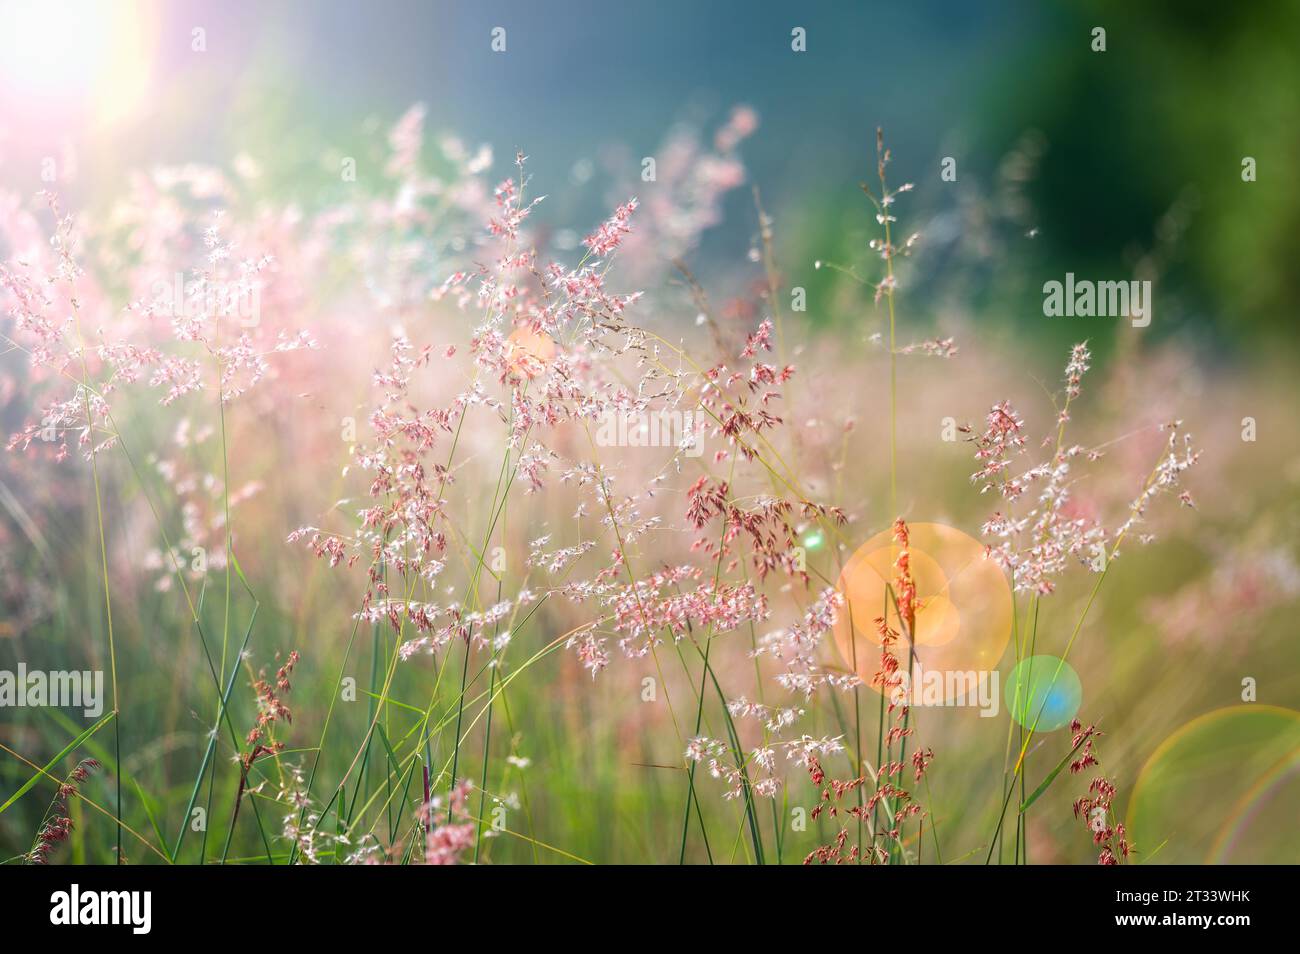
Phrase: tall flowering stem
(1056, 540)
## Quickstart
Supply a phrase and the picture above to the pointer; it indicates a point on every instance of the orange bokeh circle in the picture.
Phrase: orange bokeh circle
(529, 351)
(964, 606)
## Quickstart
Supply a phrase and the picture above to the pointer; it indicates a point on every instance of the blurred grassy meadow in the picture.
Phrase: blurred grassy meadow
(359, 209)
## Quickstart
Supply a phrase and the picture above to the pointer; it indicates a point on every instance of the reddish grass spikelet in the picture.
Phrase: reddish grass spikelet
(1095, 810)
(57, 825)
(896, 802)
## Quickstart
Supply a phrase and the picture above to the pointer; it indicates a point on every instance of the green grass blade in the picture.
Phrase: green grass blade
(27, 786)
(1051, 777)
